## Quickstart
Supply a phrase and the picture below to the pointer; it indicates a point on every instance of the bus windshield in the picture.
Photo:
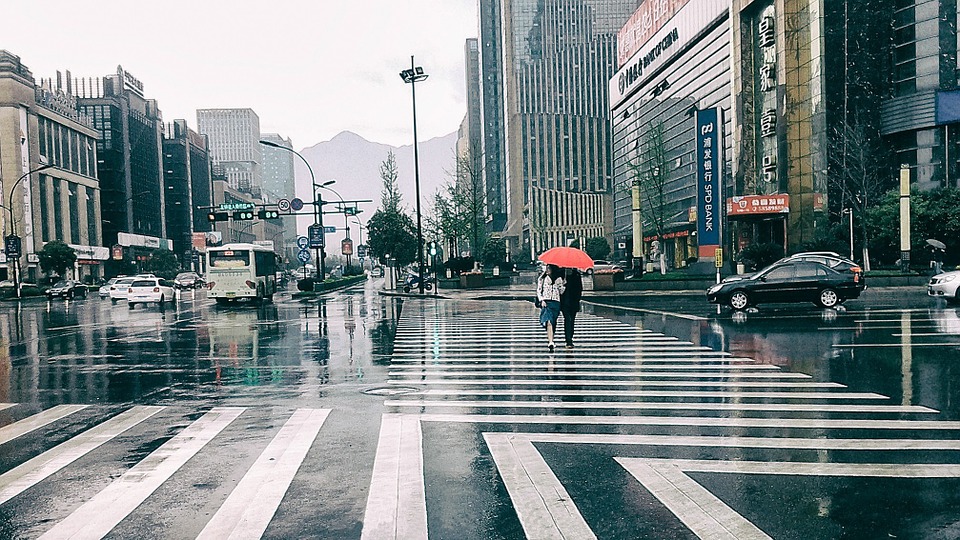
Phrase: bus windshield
(229, 259)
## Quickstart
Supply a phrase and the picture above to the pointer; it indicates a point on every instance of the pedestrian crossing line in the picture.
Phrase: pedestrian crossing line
(542, 504)
(571, 368)
(541, 345)
(479, 334)
(396, 506)
(567, 372)
(4, 406)
(100, 514)
(653, 384)
(660, 393)
(28, 474)
(30, 423)
(543, 356)
(632, 360)
(700, 421)
(651, 311)
(651, 375)
(252, 504)
(666, 406)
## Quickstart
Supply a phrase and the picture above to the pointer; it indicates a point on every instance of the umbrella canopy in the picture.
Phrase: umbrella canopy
(937, 244)
(567, 257)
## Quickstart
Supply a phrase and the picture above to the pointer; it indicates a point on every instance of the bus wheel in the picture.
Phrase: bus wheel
(221, 301)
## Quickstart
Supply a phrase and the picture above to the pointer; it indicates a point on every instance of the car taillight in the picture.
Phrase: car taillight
(156, 289)
(251, 284)
(211, 284)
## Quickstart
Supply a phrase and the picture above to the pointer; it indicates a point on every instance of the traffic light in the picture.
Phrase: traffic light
(213, 217)
(268, 214)
(243, 215)
(433, 248)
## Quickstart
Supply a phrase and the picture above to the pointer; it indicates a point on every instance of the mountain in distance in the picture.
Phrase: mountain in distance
(354, 163)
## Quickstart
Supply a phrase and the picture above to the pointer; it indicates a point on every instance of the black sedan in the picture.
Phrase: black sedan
(67, 288)
(789, 281)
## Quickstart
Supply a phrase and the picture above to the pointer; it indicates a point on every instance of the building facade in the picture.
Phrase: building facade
(493, 138)
(673, 64)
(42, 126)
(188, 184)
(557, 57)
(279, 182)
(234, 137)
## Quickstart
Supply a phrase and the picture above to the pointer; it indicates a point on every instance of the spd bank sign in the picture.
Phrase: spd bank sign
(709, 179)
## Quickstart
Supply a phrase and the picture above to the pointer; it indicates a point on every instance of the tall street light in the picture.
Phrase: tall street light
(413, 76)
(317, 204)
(13, 224)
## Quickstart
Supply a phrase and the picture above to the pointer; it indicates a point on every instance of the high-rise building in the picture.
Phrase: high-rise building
(471, 129)
(555, 61)
(186, 165)
(279, 182)
(43, 125)
(234, 137)
(493, 151)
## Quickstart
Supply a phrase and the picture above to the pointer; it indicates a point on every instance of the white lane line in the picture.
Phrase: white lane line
(671, 384)
(553, 372)
(659, 384)
(397, 507)
(569, 367)
(100, 514)
(650, 311)
(563, 360)
(251, 505)
(545, 509)
(639, 382)
(795, 443)
(665, 393)
(30, 423)
(927, 334)
(702, 421)
(542, 356)
(896, 345)
(474, 337)
(701, 511)
(766, 407)
(793, 468)
(19, 479)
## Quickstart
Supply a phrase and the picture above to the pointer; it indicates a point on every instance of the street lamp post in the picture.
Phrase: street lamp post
(412, 76)
(13, 224)
(317, 205)
(343, 208)
(849, 212)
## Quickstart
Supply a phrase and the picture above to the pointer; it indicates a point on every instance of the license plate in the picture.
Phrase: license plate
(231, 294)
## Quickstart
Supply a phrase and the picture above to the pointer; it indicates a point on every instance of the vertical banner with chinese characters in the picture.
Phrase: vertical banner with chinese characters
(709, 179)
(765, 96)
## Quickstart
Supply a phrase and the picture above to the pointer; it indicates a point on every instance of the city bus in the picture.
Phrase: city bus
(238, 271)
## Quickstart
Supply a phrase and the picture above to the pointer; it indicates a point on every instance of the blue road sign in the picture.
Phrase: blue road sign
(303, 256)
(296, 205)
(315, 236)
(303, 242)
(329, 229)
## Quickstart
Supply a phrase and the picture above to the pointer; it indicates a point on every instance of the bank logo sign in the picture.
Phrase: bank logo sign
(709, 179)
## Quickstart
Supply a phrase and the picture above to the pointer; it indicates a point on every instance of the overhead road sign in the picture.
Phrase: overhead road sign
(329, 229)
(283, 205)
(296, 205)
(236, 206)
(315, 236)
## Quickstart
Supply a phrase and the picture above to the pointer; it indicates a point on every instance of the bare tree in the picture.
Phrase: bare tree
(650, 174)
(460, 208)
(859, 159)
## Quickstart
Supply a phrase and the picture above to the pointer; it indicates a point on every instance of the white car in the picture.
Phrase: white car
(143, 290)
(603, 265)
(118, 291)
(945, 285)
(104, 290)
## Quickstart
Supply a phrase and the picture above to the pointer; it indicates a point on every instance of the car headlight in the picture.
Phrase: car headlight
(948, 279)
(714, 289)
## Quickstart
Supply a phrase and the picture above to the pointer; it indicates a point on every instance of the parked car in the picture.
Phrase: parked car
(104, 290)
(67, 288)
(150, 290)
(789, 281)
(188, 280)
(603, 265)
(945, 285)
(118, 291)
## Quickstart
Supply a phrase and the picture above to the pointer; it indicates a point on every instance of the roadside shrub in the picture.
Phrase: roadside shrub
(30, 291)
(757, 256)
(306, 284)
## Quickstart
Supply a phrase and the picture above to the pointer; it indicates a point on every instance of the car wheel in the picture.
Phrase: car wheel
(828, 298)
(130, 305)
(739, 300)
(406, 288)
(113, 300)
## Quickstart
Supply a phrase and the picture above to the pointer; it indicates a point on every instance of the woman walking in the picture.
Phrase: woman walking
(570, 303)
(550, 285)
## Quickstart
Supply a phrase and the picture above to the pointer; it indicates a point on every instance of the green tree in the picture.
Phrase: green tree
(57, 257)
(460, 207)
(494, 252)
(163, 263)
(650, 174)
(391, 230)
(933, 215)
(597, 247)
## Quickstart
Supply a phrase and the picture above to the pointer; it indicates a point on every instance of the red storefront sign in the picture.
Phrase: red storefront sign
(749, 205)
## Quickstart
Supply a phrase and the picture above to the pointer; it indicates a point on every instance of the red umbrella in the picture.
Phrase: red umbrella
(567, 257)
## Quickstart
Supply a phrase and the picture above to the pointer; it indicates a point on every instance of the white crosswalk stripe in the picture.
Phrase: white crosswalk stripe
(487, 364)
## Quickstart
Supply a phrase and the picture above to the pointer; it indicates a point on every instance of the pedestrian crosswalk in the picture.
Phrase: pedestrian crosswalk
(486, 364)
(245, 513)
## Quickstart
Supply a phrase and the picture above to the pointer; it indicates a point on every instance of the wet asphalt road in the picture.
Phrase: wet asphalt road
(339, 365)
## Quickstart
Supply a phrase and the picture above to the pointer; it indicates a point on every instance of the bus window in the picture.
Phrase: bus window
(229, 259)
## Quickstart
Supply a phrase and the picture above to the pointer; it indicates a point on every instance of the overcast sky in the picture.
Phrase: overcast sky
(309, 68)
